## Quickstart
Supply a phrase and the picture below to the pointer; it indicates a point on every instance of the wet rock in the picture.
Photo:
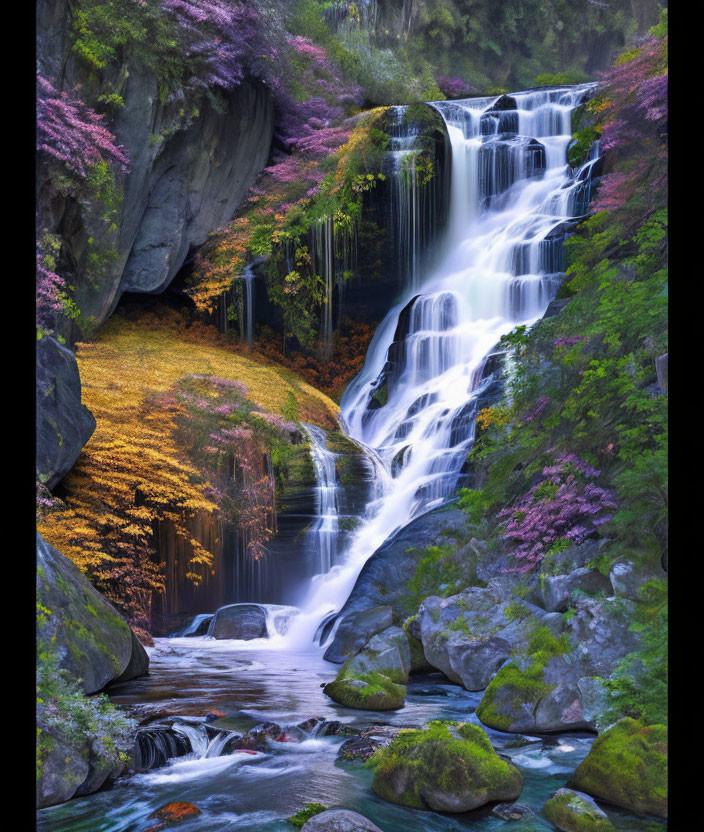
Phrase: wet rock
(64, 425)
(174, 813)
(355, 630)
(339, 820)
(334, 728)
(384, 578)
(387, 652)
(371, 692)
(572, 811)
(444, 767)
(92, 640)
(511, 811)
(239, 621)
(627, 766)
(362, 748)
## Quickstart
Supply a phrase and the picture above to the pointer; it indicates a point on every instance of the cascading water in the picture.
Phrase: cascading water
(325, 528)
(412, 406)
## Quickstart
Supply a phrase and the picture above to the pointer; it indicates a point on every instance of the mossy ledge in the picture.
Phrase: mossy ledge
(572, 812)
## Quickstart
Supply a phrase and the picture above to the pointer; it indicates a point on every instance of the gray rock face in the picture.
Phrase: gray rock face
(469, 636)
(239, 621)
(628, 577)
(355, 630)
(93, 641)
(384, 578)
(553, 593)
(63, 771)
(386, 651)
(187, 174)
(64, 425)
(339, 820)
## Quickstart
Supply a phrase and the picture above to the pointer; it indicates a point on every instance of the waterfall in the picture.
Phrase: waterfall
(325, 528)
(247, 332)
(513, 197)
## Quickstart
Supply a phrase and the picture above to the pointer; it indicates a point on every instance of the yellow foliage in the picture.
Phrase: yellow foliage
(132, 474)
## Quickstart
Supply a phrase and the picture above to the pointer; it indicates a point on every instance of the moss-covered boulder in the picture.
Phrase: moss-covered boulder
(93, 641)
(445, 767)
(387, 652)
(368, 692)
(572, 811)
(538, 691)
(627, 765)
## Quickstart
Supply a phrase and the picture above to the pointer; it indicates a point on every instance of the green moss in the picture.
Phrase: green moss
(368, 691)
(443, 758)
(579, 146)
(310, 810)
(627, 765)
(572, 813)
(513, 687)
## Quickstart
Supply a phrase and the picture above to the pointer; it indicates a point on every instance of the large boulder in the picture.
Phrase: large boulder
(444, 767)
(239, 621)
(529, 696)
(387, 652)
(339, 820)
(92, 640)
(384, 578)
(572, 811)
(469, 636)
(627, 765)
(64, 425)
(355, 630)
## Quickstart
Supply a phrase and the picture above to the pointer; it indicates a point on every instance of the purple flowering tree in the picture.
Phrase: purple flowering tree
(564, 506)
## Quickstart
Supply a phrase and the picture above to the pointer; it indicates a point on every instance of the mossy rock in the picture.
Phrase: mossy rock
(368, 692)
(445, 767)
(510, 693)
(627, 765)
(574, 812)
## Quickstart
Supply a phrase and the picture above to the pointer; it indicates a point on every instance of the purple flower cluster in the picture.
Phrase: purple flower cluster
(226, 39)
(454, 87)
(73, 133)
(49, 294)
(561, 507)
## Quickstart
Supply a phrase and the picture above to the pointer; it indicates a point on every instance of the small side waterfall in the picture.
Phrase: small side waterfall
(325, 528)
(247, 316)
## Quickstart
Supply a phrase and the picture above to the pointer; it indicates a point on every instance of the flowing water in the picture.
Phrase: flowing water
(412, 410)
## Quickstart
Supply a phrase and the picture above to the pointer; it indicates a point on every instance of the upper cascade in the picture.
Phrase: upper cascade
(413, 405)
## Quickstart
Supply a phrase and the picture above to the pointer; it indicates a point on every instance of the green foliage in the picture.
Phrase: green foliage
(67, 717)
(107, 30)
(560, 78)
(638, 686)
(302, 815)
